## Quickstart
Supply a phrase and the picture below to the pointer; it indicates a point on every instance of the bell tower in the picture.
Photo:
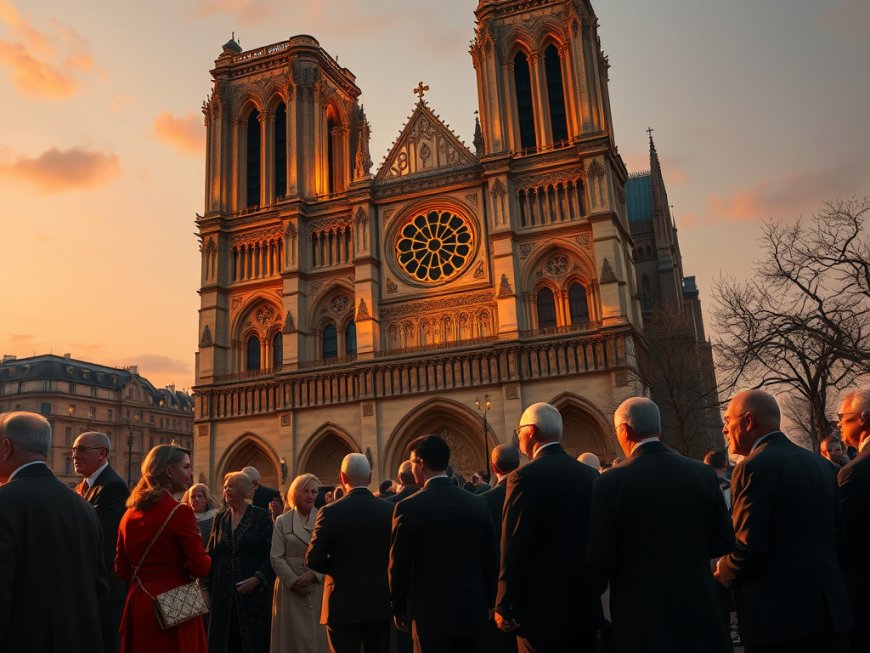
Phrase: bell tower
(541, 74)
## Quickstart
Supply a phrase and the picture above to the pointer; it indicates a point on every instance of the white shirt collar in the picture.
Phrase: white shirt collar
(654, 438)
(93, 477)
(761, 439)
(544, 446)
(864, 443)
(441, 475)
(32, 462)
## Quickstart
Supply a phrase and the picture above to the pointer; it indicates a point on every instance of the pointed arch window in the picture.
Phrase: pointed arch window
(330, 341)
(525, 110)
(253, 159)
(546, 305)
(252, 359)
(577, 305)
(556, 94)
(330, 154)
(350, 339)
(281, 150)
(277, 350)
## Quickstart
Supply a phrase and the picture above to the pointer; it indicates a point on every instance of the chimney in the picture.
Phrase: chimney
(8, 357)
(67, 356)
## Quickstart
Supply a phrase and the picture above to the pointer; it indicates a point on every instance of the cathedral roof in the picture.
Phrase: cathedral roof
(424, 145)
(639, 197)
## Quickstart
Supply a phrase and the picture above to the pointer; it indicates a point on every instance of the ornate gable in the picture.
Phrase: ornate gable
(424, 145)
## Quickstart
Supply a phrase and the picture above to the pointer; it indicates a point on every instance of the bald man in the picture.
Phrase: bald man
(788, 589)
(407, 481)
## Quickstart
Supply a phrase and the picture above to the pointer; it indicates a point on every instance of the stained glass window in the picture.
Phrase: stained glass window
(434, 246)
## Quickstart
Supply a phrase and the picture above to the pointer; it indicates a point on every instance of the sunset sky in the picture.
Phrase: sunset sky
(759, 110)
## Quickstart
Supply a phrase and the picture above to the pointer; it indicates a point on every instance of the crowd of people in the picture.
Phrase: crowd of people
(515, 560)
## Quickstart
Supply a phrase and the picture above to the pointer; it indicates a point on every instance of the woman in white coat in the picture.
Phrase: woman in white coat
(296, 606)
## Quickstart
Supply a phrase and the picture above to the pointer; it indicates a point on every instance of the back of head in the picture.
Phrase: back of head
(641, 414)
(154, 482)
(406, 473)
(546, 418)
(29, 433)
(505, 458)
(763, 407)
(251, 473)
(590, 459)
(716, 458)
(356, 469)
(433, 450)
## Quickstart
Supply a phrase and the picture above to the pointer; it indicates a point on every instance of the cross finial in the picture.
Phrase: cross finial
(650, 130)
(421, 90)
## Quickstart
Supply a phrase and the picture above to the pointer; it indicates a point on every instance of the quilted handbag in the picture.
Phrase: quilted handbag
(179, 604)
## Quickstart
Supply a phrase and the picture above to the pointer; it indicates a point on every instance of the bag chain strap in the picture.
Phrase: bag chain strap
(148, 550)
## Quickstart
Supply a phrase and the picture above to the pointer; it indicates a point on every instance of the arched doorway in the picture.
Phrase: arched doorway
(457, 424)
(249, 451)
(584, 428)
(323, 453)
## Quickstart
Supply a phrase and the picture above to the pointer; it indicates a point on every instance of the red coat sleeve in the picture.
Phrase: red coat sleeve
(123, 569)
(196, 561)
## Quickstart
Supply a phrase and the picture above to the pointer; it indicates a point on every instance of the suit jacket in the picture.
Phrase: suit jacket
(263, 495)
(50, 553)
(784, 569)
(407, 490)
(443, 560)
(108, 495)
(351, 544)
(854, 480)
(657, 518)
(495, 503)
(544, 582)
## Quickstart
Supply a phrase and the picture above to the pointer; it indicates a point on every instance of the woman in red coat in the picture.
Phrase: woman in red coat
(176, 556)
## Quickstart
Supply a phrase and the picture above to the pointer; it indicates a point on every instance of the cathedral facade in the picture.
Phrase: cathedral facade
(350, 309)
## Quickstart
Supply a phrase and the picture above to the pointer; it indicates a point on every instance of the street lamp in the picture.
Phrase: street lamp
(130, 426)
(483, 408)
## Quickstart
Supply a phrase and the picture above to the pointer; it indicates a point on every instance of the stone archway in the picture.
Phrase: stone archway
(247, 451)
(584, 428)
(457, 424)
(323, 453)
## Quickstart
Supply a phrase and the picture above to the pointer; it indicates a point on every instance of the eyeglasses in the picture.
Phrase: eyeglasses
(517, 430)
(840, 416)
(81, 449)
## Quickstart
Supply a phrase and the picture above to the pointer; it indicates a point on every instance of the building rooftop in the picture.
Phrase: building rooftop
(639, 198)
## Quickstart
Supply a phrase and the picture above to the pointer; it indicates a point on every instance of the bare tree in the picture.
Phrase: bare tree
(801, 324)
(679, 372)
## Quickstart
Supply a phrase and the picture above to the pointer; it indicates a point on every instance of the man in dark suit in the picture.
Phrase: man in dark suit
(107, 493)
(351, 544)
(547, 594)
(504, 459)
(657, 520)
(442, 558)
(788, 589)
(52, 576)
(407, 482)
(263, 494)
(854, 481)
(831, 448)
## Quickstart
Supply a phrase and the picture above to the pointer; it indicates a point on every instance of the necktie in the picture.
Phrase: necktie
(85, 487)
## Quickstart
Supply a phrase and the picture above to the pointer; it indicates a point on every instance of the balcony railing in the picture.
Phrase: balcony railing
(324, 362)
(557, 331)
(437, 346)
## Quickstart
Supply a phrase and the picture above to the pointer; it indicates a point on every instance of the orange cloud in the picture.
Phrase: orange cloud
(37, 69)
(56, 171)
(784, 197)
(250, 12)
(185, 134)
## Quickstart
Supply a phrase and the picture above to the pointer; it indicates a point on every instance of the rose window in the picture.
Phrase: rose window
(434, 246)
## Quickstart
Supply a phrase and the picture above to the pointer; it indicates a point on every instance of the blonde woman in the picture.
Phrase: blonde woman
(241, 579)
(296, 624)
(204, 506)
(176, 555)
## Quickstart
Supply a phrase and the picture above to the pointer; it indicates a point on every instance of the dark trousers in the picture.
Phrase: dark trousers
(370, 636)
(458, 644)
(830, 643)
(579, 643)
(111, 634)
(498, 641)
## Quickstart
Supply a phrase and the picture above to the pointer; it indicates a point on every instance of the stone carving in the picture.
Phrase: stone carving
(339, 303)
(368, 409)
(202, 430)
(329, 224)
(620, 194)
(557, 265)
(315, 287)
(526, 249)
(205, 338)
(582, 240)
(596, 169)
(290, 231)
(361, 217)
(454, 301)
(362, 312)
(258, 236)
(607, 274)
(285, 419)
(237, 301)
(512, 392)
(504, 288)
(498, 189)
(265, 315)
(551, 179)
(289, 323)
(391, 286)
(478, 271)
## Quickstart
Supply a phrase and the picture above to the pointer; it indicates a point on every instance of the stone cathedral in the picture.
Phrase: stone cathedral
(345, 308)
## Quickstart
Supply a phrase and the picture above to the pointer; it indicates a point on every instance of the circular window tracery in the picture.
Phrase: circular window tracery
(434, 246)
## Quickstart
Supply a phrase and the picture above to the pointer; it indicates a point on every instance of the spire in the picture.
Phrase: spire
(478, 136)
(232, 45)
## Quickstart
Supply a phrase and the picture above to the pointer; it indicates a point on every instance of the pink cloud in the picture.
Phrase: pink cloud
(56, 171)
(851, 17)
(36, 68)
(185, 134)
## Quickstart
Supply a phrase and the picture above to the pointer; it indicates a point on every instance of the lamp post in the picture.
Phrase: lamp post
(483, 407)
(130, 426)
